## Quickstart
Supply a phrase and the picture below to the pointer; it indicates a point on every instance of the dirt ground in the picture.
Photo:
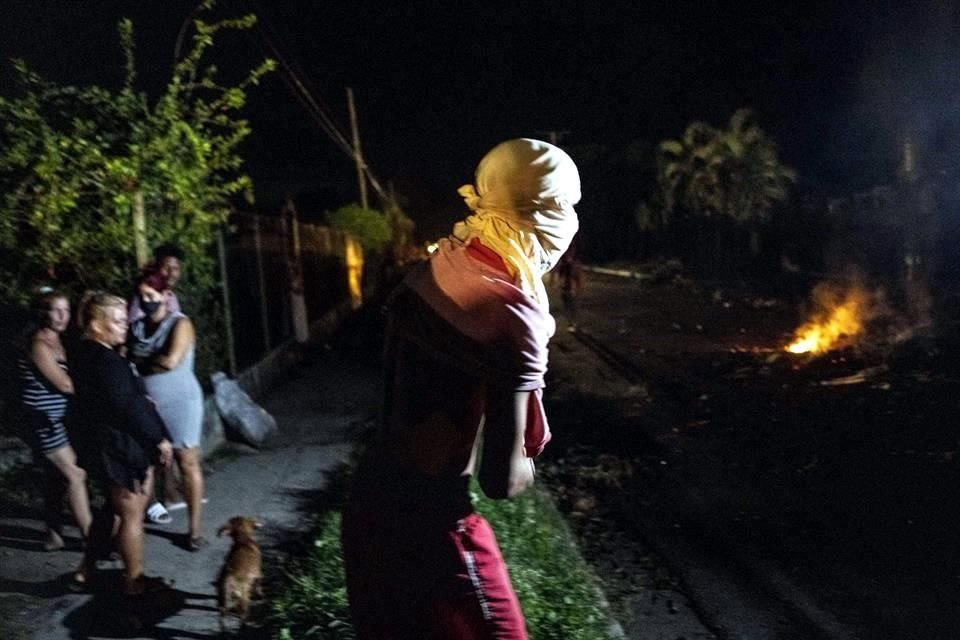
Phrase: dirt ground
(788, 496)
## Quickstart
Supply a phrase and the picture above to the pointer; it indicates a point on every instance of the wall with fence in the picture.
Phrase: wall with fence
(280, 272)
(268, 262)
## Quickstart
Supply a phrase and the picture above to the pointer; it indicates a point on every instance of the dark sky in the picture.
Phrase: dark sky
(438, 83)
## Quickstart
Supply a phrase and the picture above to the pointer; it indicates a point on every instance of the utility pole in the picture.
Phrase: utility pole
(357, 154)
(554, 136)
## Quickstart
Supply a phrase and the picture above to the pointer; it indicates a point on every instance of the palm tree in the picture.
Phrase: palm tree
(731, 174)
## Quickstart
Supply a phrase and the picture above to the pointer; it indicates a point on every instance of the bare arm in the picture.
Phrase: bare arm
(45, 360)
(505, 471)
(181, 340)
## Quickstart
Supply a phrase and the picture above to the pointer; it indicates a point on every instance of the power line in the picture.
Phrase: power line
(299, 83)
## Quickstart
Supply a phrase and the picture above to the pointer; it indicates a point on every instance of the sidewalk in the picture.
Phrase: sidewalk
(319, 408)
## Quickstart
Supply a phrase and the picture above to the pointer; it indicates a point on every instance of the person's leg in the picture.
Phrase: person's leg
(156, 512)
(102, 530)
(130, 506)
(383, 578)
(482, 604)
(171, 487)
(65, 461)
(53, 483)
(188, 460)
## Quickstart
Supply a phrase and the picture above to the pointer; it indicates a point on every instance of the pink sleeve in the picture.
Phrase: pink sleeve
(531, 332)
(537, 434)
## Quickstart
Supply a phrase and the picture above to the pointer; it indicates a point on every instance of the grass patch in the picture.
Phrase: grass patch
(558, 592)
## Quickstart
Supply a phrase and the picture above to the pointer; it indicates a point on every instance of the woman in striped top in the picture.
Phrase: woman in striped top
(46, 389)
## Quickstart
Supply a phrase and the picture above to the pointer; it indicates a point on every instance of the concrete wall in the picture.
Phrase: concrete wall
(259, 378)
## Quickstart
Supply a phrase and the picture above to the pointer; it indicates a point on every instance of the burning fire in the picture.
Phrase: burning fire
(840, 318)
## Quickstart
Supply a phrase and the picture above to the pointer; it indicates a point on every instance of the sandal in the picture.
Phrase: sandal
(197, 543)
(146, 584)
(158, 514)
(78, 583)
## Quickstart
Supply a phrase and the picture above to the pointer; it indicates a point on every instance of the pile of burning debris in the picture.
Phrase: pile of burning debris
(853, 334)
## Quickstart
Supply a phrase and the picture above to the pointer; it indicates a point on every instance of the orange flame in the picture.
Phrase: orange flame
(840, 320)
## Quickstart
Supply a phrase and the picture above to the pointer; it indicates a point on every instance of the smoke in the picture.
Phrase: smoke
(908, 86)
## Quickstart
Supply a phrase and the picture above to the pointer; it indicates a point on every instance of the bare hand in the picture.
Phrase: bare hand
(166, 453)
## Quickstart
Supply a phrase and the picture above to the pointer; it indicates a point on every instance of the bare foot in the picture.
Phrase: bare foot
(53, 541)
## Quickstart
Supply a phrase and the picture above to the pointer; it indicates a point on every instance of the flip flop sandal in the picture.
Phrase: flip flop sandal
(148, 584)
(158, 514)
(198, 543)
(78, 583)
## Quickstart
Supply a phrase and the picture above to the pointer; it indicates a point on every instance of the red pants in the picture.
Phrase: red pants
(410, 579)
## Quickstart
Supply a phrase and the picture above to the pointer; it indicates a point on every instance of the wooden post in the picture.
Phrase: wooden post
(298, 305)
(357, 153)
(262, 282)
(140, 229)
(227, 316)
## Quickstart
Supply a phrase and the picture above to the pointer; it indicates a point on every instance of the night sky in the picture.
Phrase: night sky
(438, 83)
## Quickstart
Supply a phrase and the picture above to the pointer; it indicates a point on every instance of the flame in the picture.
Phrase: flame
(840, 320)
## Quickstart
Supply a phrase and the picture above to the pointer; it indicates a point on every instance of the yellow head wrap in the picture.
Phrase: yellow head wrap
(523, 208)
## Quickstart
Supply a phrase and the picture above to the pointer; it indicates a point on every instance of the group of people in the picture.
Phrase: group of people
(118, 407)
(465, 360)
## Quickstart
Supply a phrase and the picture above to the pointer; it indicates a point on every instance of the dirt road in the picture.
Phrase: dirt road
(787, 506)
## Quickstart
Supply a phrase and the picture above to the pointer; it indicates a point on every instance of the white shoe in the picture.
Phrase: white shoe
(158, 514)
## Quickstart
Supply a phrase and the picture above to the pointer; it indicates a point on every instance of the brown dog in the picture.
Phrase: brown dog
(240, 576)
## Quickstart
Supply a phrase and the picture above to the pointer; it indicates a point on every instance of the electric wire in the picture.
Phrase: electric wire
(299, 85)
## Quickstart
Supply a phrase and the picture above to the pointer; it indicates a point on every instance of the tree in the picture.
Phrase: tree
(734, 172)
(370, 227)
(91, 176)
(730, 175)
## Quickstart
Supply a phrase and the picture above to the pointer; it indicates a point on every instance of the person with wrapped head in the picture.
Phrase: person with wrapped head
(465, 359)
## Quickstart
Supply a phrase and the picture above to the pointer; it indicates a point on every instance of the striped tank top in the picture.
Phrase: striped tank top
(41, 396)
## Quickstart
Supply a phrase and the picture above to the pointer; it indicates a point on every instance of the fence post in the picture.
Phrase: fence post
(298, 305)
(227, 315)
(262, 282)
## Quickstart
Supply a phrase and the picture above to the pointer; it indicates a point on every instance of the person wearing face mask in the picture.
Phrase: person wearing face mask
(465, 359)
(162, 345)
(168, 262)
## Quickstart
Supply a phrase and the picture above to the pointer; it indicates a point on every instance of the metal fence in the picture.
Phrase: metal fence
(280, 273)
